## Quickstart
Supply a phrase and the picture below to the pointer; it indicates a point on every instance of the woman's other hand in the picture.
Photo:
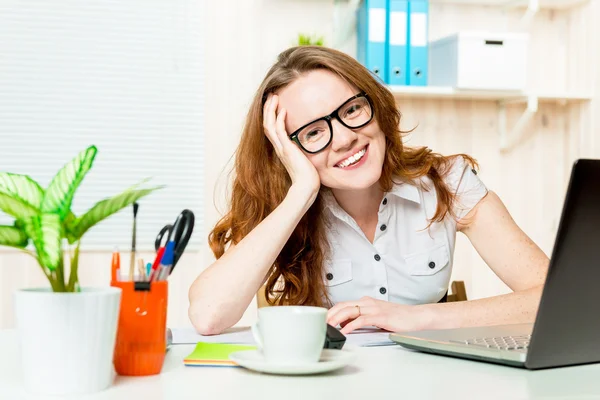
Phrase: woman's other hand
(352, 315)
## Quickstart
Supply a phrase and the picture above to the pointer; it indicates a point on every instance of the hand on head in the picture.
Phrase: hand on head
(302, 172)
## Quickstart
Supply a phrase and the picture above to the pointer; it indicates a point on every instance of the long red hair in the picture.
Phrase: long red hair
(261, 181)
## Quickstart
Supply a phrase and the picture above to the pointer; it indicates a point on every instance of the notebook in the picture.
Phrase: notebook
(214, 355)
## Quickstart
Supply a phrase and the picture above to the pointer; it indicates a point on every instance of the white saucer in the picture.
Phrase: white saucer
(330, 361)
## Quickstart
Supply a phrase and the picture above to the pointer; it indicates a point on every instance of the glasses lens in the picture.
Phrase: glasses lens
(356, 113)
(315, 136)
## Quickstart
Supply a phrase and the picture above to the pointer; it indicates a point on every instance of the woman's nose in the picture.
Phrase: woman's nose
(343, 138)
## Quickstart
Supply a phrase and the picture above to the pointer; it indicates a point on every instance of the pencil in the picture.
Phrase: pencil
(142, 270)
(115, 271)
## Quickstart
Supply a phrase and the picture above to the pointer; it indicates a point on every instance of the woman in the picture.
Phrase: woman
(329, 208)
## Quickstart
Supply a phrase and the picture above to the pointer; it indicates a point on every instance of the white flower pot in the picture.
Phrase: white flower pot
(67, 340)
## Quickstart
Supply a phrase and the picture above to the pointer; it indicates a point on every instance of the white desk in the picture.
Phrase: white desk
(378, 373)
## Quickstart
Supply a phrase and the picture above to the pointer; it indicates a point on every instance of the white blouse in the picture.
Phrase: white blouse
(406, 263)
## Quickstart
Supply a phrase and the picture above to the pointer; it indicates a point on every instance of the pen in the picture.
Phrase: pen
(167, 262)
(148, 270)
(159, 255)
(115, 270)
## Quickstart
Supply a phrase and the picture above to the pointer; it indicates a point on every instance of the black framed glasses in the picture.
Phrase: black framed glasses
(315, 136)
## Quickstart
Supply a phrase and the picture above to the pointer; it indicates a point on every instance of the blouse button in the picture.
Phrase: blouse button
(382, 290)
(329, 276)
(377, 257)
(432, 265)
(383, 227)
(384, 201)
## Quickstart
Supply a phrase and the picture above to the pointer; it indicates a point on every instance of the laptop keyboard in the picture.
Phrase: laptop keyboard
(500, 343)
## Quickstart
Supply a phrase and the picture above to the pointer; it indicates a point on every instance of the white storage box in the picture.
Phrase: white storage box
(479, 60)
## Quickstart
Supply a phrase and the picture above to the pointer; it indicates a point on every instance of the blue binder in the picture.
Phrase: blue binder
(371, 35)
(397, 39)
(418, 57)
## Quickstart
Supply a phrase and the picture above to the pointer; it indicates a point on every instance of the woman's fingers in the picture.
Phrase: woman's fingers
(350, 313)
(280, 128)
(358, 323)
(336, 309)
(269, 121)
(362, 303)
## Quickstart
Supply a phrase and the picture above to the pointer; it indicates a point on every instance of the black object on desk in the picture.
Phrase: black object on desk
(334, 339)
(180, 233)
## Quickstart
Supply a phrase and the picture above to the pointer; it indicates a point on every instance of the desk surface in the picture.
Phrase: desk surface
(385, 372)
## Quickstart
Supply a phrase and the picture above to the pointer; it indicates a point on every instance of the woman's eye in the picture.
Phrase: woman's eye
(312, 134)
(352, 110)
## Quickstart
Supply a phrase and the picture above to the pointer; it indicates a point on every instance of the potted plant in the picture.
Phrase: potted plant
(66, 333)
(307, 40)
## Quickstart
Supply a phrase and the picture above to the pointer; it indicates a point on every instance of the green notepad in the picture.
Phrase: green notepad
(214, 354)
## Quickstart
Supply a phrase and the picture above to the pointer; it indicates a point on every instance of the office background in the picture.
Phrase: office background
(236, 43)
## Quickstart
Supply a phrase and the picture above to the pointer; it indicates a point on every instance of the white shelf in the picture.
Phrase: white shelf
(547, 4)
(440, 92)
(509, 137)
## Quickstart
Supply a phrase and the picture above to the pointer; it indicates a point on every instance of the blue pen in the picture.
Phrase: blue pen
(164, 269)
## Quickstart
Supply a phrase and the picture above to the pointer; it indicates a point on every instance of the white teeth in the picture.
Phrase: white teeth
(352, 159)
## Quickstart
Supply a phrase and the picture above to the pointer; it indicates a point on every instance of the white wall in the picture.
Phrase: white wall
(243, 39)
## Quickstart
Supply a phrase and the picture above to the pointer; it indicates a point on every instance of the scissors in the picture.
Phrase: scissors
(180, 233)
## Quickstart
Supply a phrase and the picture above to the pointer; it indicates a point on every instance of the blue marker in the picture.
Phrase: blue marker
(164, 269)
(148, 269)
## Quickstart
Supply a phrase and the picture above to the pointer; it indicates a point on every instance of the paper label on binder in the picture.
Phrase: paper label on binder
(377, 25)
(398, 29)
(418, 29)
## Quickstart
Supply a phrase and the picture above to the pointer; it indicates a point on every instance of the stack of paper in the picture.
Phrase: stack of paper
(364, 337)
(190, 336)
(367, 337)
(214, 355)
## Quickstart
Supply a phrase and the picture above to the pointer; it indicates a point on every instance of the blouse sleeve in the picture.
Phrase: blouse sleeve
(464, 183)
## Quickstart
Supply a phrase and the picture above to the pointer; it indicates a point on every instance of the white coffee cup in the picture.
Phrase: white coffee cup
(291, 335)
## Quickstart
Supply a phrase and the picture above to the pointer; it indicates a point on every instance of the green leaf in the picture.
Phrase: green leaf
(46, 232)
(60, 192)
(307, 40)
(22, 187)
(16, 207)
(69, 227)
(108, 207)
(132, 187)
(11, 236)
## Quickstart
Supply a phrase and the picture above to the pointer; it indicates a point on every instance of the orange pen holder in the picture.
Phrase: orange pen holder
(141, 334)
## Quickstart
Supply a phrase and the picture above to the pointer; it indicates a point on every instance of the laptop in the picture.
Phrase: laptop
(566, 330)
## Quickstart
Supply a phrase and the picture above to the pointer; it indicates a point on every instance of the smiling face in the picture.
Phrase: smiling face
(354, 158)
